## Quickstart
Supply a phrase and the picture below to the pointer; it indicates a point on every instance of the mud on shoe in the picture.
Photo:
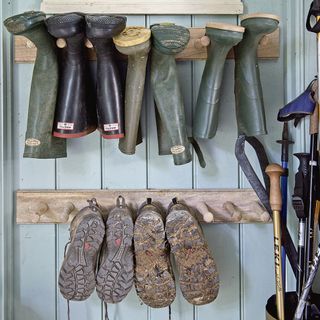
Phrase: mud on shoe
(77, 273)
(115, 274)
(154, 279)
(198, 276)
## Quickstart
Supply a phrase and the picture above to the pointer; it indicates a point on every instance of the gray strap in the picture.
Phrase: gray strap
(261, 191)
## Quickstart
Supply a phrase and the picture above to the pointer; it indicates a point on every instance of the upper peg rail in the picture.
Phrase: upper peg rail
(269, 47)
(210, 206)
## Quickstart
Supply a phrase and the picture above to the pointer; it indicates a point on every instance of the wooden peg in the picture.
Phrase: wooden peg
(261, 211)
(61, 43)
(88, 44)
(235, 212)
(274, 171)
(203, 42)
(205, 212)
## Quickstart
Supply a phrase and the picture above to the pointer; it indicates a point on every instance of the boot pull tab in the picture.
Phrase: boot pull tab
(198, 151)
(93, 205)
(149, 200)
(175, 200)
(121, 202)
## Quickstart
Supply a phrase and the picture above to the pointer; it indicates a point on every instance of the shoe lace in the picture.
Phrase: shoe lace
(65, 248)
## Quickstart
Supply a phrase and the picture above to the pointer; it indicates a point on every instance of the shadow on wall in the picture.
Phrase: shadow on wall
(27, 312)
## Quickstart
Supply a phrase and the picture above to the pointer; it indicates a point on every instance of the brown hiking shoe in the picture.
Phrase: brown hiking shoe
(154, 278)
(115, 275)
(77, 273)
(198, 276)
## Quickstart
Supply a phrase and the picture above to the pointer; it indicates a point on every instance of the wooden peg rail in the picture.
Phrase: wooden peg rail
(210, 206)
(269, 48)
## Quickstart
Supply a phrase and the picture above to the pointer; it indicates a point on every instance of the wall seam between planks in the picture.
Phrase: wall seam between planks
(241, 247)
(6, 167)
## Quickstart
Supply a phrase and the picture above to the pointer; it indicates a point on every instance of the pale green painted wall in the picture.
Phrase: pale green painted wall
(244, 254)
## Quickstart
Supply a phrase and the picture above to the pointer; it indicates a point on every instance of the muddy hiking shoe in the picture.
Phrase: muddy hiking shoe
(154, 279)
(77, 273)
(198, 276)
(115, 274)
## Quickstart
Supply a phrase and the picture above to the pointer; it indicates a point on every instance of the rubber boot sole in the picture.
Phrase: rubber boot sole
(154, 277)
(77, 273)
(115, 275)
(198, 276)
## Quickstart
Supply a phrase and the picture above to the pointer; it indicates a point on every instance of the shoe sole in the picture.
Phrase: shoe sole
(77, 273)
(154, 278)
(115, 275)
(198, 276)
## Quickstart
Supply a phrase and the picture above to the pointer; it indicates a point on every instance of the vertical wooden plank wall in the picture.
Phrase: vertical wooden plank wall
(243, 253)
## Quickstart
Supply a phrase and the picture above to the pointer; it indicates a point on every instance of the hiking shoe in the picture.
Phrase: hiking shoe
(198, 276)
(154, 279)
(77, 273)
(115, 275)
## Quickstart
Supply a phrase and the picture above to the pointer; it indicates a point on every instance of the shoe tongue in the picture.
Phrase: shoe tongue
(170, 38)
(25, 21)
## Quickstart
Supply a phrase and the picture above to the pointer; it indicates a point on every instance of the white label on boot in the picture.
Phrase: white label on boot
(31, 142)
(65, 125)
(111, 127)
(177, 149)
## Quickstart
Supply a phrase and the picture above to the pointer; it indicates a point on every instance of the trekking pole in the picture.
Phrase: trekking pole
(314, 124)
(307, 286)
(274, 171)
(285, 142)
(300, 205)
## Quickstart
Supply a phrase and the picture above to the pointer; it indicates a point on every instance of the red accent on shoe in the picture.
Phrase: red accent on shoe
(118, 242)
(87, 246)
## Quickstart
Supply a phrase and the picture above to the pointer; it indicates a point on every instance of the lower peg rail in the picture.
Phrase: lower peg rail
(210, 206)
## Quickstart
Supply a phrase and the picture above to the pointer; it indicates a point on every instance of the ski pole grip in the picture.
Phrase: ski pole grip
(274, 171)
(314, 11)
(314, 121)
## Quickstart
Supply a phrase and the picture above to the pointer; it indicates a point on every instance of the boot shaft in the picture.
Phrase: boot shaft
(222, 38)
(169, 40)
(100, 29)
(75, 114)
(39, 142)
(248, 90)
(135, 43)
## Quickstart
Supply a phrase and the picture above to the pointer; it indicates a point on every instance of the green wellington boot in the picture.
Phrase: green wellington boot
(223, 37)
(135, 43)
(248, 91)
(39, 142)
(168, 40)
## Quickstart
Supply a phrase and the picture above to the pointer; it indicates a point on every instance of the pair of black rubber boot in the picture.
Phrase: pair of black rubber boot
(250, 112)
(81, 107)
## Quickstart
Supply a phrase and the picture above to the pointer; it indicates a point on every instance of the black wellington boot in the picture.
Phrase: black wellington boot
(100, 30)
(76, 113)
(39, 142)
